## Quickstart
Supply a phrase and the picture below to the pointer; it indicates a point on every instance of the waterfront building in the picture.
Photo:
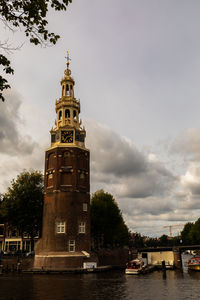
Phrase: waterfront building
(65, 240)
(12, 241)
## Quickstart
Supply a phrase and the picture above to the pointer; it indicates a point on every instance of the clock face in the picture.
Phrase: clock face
(67, 136)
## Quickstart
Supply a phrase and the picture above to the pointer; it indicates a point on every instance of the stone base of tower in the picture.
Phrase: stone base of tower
(62, 260)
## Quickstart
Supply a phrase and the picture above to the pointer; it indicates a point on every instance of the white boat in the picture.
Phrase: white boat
(135, 266)
(194, 263)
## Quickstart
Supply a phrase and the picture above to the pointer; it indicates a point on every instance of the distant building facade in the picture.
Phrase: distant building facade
(11, 241)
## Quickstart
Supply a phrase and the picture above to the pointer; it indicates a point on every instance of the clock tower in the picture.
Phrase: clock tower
(65, 240)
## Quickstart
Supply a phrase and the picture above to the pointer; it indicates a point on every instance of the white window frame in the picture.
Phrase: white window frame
(85, 206)
(60, 227)
(71, 245)
(81, 227)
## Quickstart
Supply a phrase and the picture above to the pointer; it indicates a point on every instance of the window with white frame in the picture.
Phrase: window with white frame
(71, 245)
(60, 227)
(85, 207)
(81, 228)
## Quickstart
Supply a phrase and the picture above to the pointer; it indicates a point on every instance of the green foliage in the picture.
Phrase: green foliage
(186, 234)
(195, 233)
(191, 233)
(136, 240)
(1, 215)
(31, 16)
(22, 205)
(7, 69)
(107, 225)
(164, 240)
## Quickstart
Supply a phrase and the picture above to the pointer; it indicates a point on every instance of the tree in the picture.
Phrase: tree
(136, 240)
(186, 233)
(152, 242)
(107, 225)
(164, 240)
(195, 233)
(1, 215)
(31, 16)
(22, 205)
(190, 234)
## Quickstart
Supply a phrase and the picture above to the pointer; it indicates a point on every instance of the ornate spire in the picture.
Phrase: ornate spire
(68, 110)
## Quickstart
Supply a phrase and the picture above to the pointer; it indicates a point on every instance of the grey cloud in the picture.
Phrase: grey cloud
(178, 217)
(153, 225)
(194, 188)
(12, 140)
(152, 205)
(112, 154)
(147, 184)
(188, 144)
(129, 172)
(151, 191)
(190, 202)
(11, 166)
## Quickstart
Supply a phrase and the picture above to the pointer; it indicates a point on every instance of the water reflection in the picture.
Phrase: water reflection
(104, 286)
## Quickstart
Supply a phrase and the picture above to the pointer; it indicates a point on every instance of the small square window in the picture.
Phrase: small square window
(66, 154)
(71, 245)
(81, 228)
(60, 227)
(53, 138)
(85, 207)
(82, 176)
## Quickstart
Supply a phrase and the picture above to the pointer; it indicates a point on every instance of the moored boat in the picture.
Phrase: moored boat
(135, 266)
(194, 263)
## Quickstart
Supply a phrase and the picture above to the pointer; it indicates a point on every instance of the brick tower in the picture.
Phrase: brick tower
(65, 240)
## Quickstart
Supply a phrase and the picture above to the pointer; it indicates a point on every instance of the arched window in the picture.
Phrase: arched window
(51, 161)
(71, 90)
(60, 115)
(67, 113)
(63, 89)
(67, 90)
(74, 115)
(66, 158)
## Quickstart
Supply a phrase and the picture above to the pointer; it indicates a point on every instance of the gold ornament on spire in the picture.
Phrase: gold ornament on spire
(68, 58)
(68, 71)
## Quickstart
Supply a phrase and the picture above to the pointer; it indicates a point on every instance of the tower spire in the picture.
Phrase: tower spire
(68, 110)
(68, 59)
(68, 71)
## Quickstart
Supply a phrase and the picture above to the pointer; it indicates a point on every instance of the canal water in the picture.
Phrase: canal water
(102, 286)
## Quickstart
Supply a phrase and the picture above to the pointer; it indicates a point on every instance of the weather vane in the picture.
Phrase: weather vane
(68, 58)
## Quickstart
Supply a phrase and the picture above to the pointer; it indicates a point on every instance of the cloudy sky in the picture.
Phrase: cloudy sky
(136, 64)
